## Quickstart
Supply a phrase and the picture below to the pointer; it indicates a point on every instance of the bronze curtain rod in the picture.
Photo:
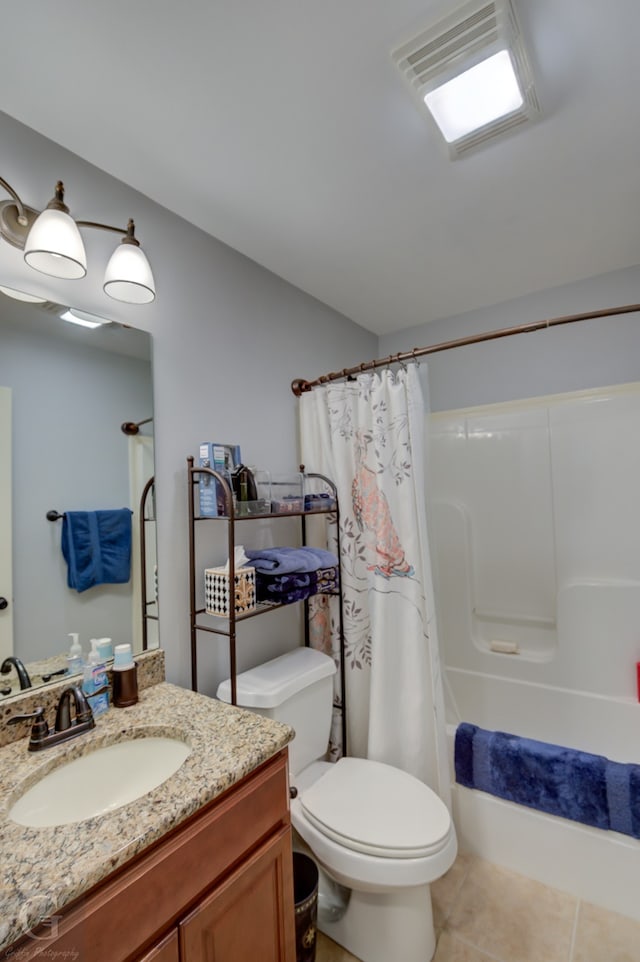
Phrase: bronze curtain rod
(300, 386)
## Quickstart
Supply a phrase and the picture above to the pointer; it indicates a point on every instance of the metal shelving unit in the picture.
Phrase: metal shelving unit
(228, 626)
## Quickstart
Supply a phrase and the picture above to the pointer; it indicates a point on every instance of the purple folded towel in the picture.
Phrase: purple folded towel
(281, 561)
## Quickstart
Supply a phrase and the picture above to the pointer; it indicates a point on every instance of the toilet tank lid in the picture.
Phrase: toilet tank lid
(270, 684)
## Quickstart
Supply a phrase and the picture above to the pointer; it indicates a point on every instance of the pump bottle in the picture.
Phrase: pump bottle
(95, 678)
(74, 659)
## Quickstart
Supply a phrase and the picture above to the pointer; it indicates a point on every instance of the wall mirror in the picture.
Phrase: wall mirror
(65, 392)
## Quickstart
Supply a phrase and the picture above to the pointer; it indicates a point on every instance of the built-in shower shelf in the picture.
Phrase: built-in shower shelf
(508, 618)
(533, 637)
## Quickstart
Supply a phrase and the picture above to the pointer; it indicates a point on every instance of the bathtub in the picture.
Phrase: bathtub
(598, 866)
(534, 534)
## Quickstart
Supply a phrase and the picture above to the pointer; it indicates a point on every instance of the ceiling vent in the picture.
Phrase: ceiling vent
(453, 55)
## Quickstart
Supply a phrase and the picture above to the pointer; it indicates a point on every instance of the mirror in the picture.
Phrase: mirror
(65, 392)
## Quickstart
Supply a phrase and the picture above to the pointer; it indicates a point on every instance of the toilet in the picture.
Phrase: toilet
(378, 835)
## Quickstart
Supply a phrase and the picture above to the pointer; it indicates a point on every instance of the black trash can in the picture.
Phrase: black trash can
(305, 895)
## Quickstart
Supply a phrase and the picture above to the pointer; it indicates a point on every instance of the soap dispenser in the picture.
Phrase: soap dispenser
(74, 657)
(94, 680)
(105, 649)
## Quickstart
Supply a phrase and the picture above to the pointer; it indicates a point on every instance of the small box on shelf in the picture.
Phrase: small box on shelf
(222, 458)
(287, 493)
(218, 594)
(246, 509)
(319, 502)
(318, 495)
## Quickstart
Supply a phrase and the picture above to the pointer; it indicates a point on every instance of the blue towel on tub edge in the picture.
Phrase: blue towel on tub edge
(97, 547)
(560, 781)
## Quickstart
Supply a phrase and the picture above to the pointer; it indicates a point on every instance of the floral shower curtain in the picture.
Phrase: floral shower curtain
(367, 435)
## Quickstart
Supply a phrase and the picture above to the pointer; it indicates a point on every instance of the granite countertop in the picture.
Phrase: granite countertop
(43, 869)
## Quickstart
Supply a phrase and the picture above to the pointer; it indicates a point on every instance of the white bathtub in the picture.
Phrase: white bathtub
(535, 542)
(598, 866)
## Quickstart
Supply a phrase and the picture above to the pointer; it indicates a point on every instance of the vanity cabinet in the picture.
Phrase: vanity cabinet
(218, 888)
(167, 950)
(241, 919)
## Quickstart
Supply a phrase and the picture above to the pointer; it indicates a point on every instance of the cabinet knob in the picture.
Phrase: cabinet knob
(293, 791)
(3, 604)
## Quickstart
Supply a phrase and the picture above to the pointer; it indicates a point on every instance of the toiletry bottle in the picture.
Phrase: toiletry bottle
(105, 649)
(95, 678)
(74, 659)
(125, 677)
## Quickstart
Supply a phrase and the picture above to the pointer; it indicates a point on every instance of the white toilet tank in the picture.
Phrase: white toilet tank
(297, 689)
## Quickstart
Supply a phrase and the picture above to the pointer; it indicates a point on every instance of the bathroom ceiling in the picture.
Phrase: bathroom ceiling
(283, 128)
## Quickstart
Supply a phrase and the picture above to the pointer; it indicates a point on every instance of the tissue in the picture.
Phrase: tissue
(240, 559)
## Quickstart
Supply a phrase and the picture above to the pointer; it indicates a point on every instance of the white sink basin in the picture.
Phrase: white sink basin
(99, 782)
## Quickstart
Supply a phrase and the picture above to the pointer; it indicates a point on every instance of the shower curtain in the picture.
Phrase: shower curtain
(367, 435)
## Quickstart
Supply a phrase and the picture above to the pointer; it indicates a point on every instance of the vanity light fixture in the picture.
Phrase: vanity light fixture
(22, 295)
(53, 245)
(84, 318)
(471, 71)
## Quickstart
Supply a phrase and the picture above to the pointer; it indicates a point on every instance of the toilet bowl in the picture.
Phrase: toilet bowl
(385, 836)
(376, 831)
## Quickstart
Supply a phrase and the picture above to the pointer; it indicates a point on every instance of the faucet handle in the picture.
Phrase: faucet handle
(39, 729)
(83, 708)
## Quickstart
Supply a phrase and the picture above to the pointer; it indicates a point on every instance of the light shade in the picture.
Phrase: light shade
(128, 276)
(22, 295)
(54, 246)
(475, 98)
(84, 318)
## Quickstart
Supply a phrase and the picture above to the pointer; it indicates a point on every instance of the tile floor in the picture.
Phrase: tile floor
(483, 913)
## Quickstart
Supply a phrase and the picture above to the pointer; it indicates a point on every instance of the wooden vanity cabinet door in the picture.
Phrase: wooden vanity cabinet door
(165, 951)
(246, 917)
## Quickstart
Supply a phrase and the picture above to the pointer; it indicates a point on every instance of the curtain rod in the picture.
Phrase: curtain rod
(300, 386)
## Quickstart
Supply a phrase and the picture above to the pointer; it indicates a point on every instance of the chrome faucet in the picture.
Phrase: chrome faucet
(65, 726)
(23, 675)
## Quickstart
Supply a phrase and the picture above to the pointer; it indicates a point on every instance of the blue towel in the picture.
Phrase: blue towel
(97, 547)
(551, 778)
(282, 561)
(285, 589)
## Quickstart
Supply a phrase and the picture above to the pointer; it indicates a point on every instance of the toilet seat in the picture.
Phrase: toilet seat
(376, 809)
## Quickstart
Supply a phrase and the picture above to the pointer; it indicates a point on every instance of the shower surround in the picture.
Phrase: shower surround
(535, 528)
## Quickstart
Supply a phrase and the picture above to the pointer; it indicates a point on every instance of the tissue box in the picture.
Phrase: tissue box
(217, 593)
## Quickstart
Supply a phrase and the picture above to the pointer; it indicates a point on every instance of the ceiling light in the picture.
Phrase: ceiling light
(472, 73)
(84, 318)
(22, 295)
(52, 244)
(476, 97)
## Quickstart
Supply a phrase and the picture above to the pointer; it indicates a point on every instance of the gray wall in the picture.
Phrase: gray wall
(228, 338)
(567, 358)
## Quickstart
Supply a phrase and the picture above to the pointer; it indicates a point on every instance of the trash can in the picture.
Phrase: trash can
(305, 896)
